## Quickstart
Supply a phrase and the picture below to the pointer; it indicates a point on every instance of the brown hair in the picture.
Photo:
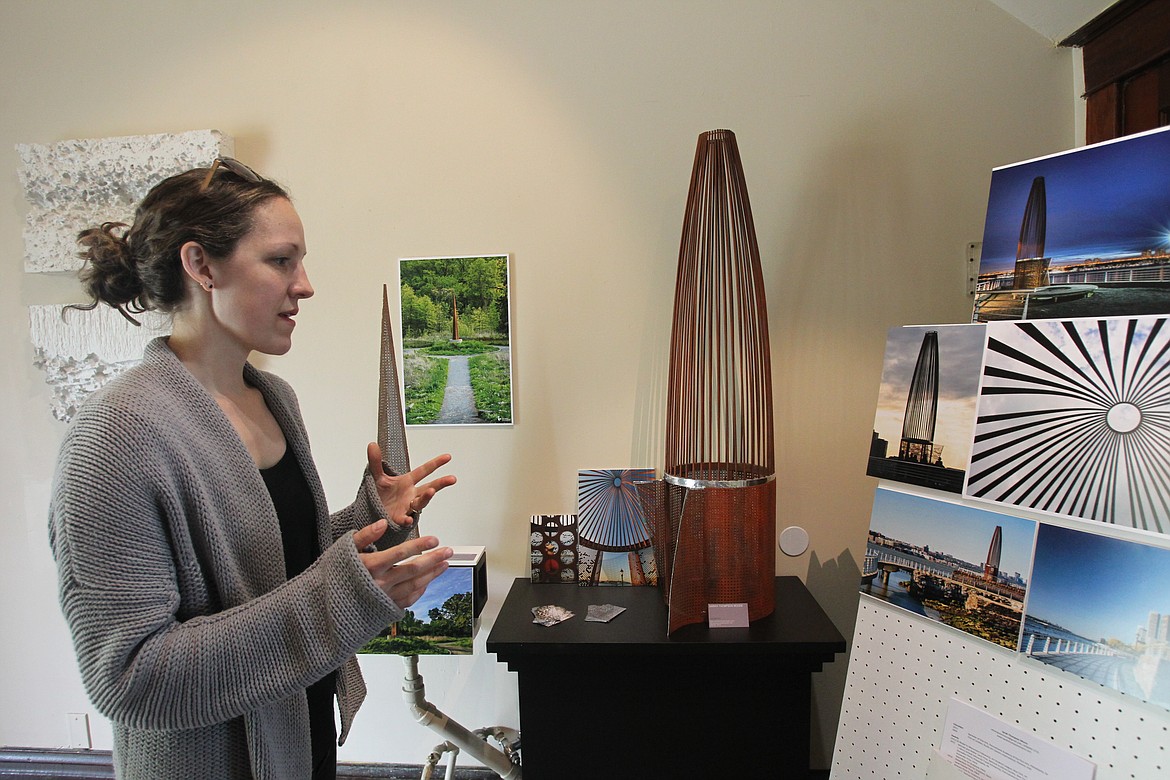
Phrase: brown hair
(136, 268)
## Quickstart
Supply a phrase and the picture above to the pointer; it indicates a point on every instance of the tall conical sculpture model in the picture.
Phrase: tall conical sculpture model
(1031, 264)
(922, 405)
(714, 512)
(391, 414)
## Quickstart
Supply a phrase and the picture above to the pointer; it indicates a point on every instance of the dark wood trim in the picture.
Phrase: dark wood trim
(1130, 45)
(1112, 15)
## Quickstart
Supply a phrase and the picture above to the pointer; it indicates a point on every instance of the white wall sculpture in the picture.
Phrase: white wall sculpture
(73, 185)
(80, 351)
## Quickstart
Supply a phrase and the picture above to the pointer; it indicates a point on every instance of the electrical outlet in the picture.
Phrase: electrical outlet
(79, 730)
(971, 267)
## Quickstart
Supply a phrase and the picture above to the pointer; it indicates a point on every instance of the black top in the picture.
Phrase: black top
(798, 628)
(298, 536)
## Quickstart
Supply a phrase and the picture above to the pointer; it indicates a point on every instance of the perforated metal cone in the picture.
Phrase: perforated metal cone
(391, 420)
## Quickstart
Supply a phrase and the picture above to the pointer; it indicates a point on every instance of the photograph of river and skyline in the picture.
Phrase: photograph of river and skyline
(962, 566)
(1083, 233)
(926, 405)
(1099, 607)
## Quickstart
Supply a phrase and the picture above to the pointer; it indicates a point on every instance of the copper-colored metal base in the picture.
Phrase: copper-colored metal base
(714, 546)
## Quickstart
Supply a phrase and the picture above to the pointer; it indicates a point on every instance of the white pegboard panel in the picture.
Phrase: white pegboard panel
(904, 669)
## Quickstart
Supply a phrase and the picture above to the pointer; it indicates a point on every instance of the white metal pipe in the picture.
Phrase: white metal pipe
(505, 736)
(433, 760)
(414, 692)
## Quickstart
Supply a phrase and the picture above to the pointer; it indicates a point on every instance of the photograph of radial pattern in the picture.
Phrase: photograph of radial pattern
(609, 515)
(1074, 419)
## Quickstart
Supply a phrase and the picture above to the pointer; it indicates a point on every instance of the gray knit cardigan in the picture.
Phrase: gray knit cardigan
(171, 574)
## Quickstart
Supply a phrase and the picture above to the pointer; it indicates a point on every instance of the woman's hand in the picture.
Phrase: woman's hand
(404, 497)
(403, 571)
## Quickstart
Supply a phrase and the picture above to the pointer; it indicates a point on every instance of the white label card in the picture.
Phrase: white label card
(982, 747)
(727, 615)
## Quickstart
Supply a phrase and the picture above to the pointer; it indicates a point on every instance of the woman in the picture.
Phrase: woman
(214, 603)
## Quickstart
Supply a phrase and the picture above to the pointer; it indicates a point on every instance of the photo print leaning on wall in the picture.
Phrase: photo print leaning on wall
(552, 541)
(957, 564)
(1079, 234)
(926, 405)
(613, 538)
(1073, 420)
(1099, 607)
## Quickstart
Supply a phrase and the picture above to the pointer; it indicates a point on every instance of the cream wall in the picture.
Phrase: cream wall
(563, 134)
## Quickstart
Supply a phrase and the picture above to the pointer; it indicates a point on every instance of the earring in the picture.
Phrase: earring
(207, 286)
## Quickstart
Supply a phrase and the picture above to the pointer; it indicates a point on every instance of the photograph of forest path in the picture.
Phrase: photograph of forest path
(456, 352)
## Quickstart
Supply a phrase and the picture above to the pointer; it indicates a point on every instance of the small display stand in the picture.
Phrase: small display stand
(624, 700)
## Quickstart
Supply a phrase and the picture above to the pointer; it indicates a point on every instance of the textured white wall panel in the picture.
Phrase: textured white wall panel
(79, 351)
(72, 185)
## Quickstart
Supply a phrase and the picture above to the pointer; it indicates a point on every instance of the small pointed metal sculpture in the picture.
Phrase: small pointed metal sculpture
(714, 512)
(391, 419)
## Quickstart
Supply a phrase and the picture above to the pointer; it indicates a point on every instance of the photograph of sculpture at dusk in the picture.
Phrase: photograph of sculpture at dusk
(1079, 234)
(926, 405)
(1073, 420)
(1099, 607)
(456, 351)
(613, 537)
(962, 566)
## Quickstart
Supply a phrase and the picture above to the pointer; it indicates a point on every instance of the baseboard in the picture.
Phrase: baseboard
(61, 764)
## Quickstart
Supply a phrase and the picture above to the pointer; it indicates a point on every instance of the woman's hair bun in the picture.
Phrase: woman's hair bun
(110, 274)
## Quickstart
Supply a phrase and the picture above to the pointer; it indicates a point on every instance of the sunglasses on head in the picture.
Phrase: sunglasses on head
(233, 165)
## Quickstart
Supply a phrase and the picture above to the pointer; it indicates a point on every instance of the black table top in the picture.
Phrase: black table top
(798, 626)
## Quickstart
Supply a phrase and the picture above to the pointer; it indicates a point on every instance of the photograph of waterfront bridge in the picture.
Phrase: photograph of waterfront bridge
(959, 565)
(1099, 607)
(1084, 233)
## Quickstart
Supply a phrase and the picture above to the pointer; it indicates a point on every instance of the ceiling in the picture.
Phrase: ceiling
(1054, 19)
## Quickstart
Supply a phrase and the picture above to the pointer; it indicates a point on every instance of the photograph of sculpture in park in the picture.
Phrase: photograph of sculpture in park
(960, 565)
(1099, 607)
(456, 348)
(1073, 420)
(441, 622)
(1079, 234)
(926, 405)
